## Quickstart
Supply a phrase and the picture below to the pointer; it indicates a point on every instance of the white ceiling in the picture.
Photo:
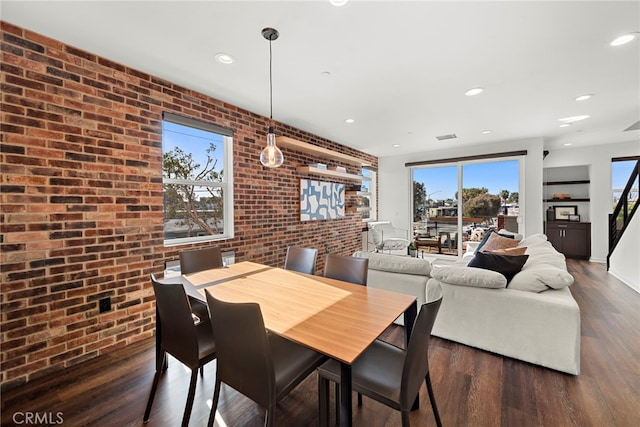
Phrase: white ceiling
(399, 69)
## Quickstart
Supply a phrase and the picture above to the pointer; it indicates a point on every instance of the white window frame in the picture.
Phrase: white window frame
(226, 184)
(373, 189)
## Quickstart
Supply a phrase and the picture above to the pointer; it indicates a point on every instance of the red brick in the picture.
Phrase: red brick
(83, 206)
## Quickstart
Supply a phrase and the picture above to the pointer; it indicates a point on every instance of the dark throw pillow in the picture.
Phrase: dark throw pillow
(507, 265)
(487, 234)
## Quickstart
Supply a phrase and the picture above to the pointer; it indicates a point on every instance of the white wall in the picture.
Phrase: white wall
(394, 182)
(600, 206)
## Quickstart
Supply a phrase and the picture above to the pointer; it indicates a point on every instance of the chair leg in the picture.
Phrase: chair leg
(270, 416)
(165, 362)
(202, 371)
(214, 404)
(323, 401)
(147, 411)
(405, 418)
(359, 399)
(432, 398)
(190, 396)
(337, 398)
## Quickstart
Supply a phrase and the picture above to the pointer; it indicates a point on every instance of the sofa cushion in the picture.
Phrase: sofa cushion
(533, 239)
(469, 276)
(395, 263)
(509, 251)
(507, 265)
(539, 277)
(484, 240)
(495, 241)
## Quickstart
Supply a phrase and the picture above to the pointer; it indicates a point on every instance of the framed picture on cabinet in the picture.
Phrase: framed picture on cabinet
(562, 213)
(574, 218)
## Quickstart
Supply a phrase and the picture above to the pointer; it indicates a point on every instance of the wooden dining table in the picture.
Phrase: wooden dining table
(335, 318)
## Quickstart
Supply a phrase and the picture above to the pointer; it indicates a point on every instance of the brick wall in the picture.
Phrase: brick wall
(81, 198)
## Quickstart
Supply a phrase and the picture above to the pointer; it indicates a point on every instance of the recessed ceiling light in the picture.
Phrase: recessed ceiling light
(573, 119)
(584, 97)
(566, 144)
(338, 3)
(325, 74)
(474, 91)
(564, 125)
(623, 39)
(486, 132)
(349, 121)
(396, 145)
(224, 58)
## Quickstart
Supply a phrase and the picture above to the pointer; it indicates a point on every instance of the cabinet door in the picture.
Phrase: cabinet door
(573, 240)
(576, 242)
(554, 236)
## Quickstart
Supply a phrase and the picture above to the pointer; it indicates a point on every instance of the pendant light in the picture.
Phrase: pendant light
(271, 156)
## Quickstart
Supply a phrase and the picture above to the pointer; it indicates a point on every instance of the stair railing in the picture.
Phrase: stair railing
(621, 216)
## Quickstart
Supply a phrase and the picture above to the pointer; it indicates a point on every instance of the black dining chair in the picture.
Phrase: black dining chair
(263, 366)
(346, 268)
(194, 260)
(389, 374)
(302, 260)
(189, 341)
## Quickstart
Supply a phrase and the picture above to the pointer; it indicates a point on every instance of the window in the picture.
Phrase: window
(620, 173)
(197, 178)
(484, 188)
(368, 194)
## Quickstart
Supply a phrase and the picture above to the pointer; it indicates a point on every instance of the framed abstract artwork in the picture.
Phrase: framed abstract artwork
(321, 200)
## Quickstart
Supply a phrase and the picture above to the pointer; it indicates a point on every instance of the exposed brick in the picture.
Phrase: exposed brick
(82, 200)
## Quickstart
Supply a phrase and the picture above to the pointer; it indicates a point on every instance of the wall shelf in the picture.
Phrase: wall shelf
(581, 181)
(566, 200)
(303, 147)
(358, 209)
(327, 172)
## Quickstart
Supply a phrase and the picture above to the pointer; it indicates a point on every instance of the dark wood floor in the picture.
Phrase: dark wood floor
(472, 387)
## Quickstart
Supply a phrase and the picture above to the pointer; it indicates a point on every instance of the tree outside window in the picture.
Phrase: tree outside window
(195, 183)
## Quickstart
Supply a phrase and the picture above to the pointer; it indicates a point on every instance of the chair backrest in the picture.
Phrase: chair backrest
(178, 335)
(346, 268)
(195, 260)
(416, 364)
(382, 230)
(302, 260)
(242, 346)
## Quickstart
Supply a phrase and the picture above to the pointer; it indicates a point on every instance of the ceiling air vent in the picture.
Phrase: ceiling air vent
(445, 137)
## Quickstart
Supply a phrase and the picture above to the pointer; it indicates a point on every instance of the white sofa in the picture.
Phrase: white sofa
(398, 273)
(535, 319)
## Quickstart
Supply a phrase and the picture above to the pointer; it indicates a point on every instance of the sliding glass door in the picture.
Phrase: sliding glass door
(450, 201)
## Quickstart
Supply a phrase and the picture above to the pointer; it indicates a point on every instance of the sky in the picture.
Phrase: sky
(191, 140)
(441, 183)
(620, 172)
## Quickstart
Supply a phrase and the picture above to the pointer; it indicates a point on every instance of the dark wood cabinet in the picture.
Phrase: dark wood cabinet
(573, 239)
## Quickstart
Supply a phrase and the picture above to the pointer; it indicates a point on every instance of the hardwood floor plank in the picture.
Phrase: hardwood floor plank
(472, 387)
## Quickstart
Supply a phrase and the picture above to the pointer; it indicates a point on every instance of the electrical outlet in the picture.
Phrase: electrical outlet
(104, 304)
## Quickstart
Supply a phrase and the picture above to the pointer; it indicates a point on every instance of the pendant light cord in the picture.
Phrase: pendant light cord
(270, 82)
